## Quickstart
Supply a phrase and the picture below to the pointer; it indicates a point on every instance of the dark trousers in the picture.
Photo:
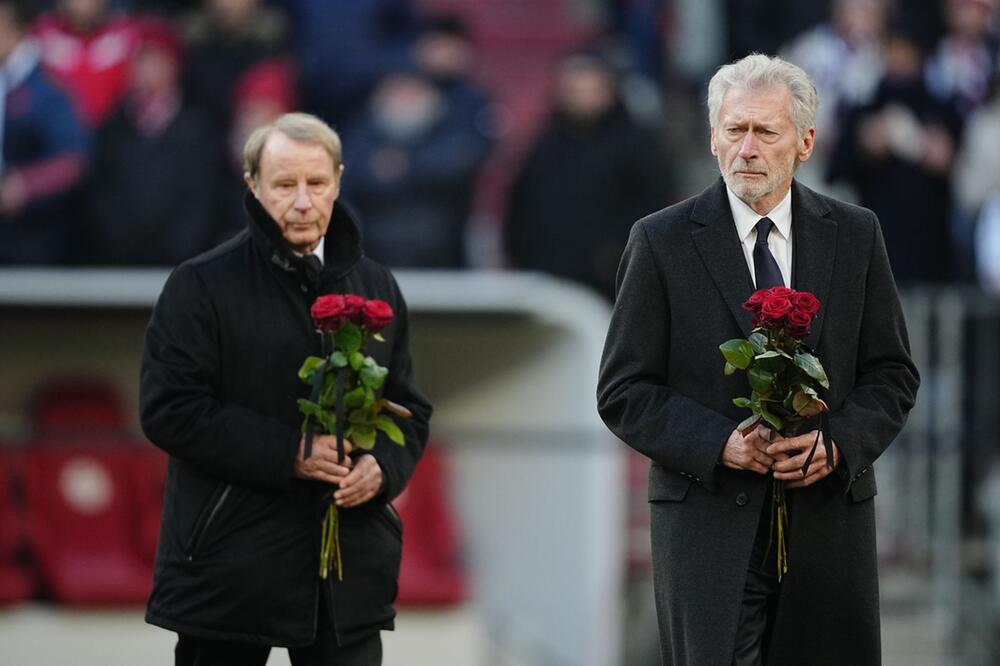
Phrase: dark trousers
(760, 595)
(191, 651)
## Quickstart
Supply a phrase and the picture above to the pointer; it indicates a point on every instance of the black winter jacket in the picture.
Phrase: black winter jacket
(238, 556)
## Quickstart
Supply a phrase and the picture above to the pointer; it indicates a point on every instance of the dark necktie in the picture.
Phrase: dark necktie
(314, 266)
(765, 268)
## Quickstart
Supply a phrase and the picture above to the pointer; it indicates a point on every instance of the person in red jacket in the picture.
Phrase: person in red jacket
(87, 48)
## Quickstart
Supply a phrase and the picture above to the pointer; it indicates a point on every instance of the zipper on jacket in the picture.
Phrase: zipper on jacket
(394, 518)
(200, 534)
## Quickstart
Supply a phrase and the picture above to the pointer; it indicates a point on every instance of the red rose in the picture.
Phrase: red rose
(756, 299)
(798, 323)
(784, 292)
(329, 312)
(377, 315)
(354, 307)
(774, 310)
(803, 300)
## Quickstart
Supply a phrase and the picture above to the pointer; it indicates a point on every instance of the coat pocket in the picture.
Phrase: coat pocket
(206, 518)
(666, 486)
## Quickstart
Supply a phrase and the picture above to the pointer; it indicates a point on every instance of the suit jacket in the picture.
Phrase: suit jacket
(681, 283)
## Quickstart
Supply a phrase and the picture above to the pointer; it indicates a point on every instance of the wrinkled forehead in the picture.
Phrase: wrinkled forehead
(282, 152)
(772, 104)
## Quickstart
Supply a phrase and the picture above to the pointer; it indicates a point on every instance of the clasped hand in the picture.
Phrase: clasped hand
(360, 479)
(784, 456)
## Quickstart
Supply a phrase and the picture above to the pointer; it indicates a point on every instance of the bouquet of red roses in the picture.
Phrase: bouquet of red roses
(344, 399)
(784, 377)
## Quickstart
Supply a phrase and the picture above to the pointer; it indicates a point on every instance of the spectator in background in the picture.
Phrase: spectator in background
(445, 53)
(844, 58)
(156, 171)
(224, 39)
(976, 182)
(897, 150)
(411, 168)
(959, 70)
(592, 172)
(43, 149)
(262, 94)
(344, 48)
(87, 48)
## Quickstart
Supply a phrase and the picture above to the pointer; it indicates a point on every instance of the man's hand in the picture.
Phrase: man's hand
(322, 465)
(794, 451)
(362, 484)
(748, 452)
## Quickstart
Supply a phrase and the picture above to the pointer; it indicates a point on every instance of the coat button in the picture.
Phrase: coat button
(742, 499)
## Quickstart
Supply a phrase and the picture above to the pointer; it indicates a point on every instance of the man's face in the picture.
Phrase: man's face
(758, 145)
(298, 186)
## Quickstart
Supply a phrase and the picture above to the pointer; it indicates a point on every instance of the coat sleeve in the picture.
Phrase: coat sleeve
(886, 382)
(634, 395)
(398, 462)
(181, 407)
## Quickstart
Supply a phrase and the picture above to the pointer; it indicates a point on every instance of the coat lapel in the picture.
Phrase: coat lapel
(719, 247)
(814, 251)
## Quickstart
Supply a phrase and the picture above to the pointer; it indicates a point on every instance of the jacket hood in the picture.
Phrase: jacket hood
(341, 251)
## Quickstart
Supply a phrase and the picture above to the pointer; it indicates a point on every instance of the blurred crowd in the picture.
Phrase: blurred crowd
(123, 124)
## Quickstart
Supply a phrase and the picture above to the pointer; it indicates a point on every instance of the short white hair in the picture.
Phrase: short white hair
(759, 72)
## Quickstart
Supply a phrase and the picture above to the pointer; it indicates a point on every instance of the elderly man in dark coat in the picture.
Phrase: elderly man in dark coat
(238, 564)
(685, 272)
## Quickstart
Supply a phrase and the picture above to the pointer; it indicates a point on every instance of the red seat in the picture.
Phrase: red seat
(431, 573)
(149, 473)
(17, 581)
(82, 406)
(82, 522)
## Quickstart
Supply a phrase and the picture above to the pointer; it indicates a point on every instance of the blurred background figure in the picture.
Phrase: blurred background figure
(897, 152)
(224, 39)
(411, 164)
(43, 150)
(156, 171)
(592, 172)
(87, 48)
(261, 94)
(343, 48)
(844, 58)
(961, 65)
(445, 53)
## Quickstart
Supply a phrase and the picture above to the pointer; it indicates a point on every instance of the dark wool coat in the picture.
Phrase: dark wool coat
(662, 390)
(238, 557)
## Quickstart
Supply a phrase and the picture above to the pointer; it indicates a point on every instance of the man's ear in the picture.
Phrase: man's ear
(251, 183)
(711, 142)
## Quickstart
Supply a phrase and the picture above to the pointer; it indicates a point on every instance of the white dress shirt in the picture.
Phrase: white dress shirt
(780, 240)
(318, 251)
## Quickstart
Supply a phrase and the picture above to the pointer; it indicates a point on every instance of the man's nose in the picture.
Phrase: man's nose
(748, 148)
(302, 201)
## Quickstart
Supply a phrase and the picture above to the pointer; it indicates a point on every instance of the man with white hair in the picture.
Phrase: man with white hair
(683, 277)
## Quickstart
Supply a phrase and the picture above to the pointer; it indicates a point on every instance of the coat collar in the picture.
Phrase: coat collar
(814, 237)
(342, 247)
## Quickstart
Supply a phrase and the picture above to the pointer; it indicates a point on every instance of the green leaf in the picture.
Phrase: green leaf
(775, 422)
(338, 359)
(348, 339)
(308, 407)
(760, 379)
(737, 352)
(378, 336)
(361, 416)
(373, 378)
(769, 354)
(741, 402)
(812, 367)
(389, 427)
(357, 360)
(369, 398)
(328, 420)
(759, 342)
(354, 399)
(309, 366)
(363, 437)
(808, 405)
(729, 369)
